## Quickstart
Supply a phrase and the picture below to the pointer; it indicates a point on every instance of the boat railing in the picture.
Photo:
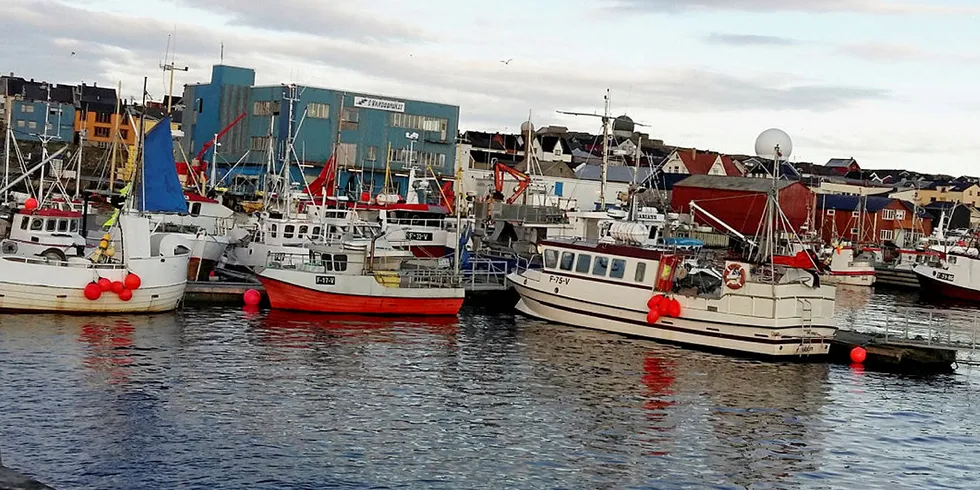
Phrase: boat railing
(62, 263)
(485, 274)
(930, 326)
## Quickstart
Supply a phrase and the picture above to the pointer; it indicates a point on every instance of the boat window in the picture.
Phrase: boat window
(618, 269)
(340, 262)
(951, 259)
(37, 224)
(316, 232)
(641, 270)
(327, 262)
(196, 209)
(62, 225)
(567, 259)
(601, 266)
(288, 230)
(274, 230)
(74, 225)
(50, 224)
(550, 258)
(24, 221)
(583, 263)
(303, 230)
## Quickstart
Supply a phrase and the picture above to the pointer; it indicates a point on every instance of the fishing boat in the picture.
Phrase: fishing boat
(333, 279)
(768, 304)
(844, 268)
(141, 277)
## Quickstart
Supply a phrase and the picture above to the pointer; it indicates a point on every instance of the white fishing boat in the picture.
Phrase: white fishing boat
(141, 277)
(771, 305)
(844, 268)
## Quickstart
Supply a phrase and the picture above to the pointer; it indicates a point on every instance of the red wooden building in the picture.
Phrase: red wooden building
(741, 201)
(870, 220)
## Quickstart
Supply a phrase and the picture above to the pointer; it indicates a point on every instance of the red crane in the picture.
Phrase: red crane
(210, 142)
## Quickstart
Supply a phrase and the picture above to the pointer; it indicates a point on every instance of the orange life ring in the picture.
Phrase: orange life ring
(734, 276)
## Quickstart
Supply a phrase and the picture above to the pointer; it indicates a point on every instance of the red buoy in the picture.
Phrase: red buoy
(132, 281)
(252, 297)
(126, 295)
(30, 204)
(858, 355)
(653, 317)
(654, 301)
(92, 291)
(674, 308)
(104, 284)
(118, 286)
(662, 306)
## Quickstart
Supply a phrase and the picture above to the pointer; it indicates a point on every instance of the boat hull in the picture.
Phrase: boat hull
(895, 277)
(299, 291)
(936, 289)
(866, 280)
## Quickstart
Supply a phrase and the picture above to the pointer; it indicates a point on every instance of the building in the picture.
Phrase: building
(741, 201)
(949, 191)
(38, 109)
(418, 133)
(96, 116)
(870, 219)
(842, 166)
(693, 162)
(850, 187)
(759, 167)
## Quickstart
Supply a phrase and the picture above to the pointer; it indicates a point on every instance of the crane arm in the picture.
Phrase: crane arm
(523, 180)
(210, 142)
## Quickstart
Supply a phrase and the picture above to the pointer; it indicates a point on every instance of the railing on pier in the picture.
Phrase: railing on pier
(957, 329)
(481, 274)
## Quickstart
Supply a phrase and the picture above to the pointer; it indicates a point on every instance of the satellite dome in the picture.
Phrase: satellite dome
(770, 140)
(526, 127)
(623, 126)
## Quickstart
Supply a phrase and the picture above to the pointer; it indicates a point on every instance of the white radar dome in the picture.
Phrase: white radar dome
(767, 143)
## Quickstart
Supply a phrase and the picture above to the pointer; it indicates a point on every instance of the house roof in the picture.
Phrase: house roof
(952, 186)
(614, 173)
(763, 166)
(548, 144)
(495, 141)
(852, 203)
(839, 162)
(723, 182)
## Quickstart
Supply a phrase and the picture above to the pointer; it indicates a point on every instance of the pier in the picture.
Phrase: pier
(14, 480)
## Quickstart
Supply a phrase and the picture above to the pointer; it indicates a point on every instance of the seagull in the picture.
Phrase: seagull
(507, 62)
(73, 53)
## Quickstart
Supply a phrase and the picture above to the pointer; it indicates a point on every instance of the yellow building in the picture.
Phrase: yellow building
(962, 192)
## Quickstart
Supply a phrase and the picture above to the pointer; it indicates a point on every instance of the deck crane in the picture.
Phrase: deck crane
(207, 146)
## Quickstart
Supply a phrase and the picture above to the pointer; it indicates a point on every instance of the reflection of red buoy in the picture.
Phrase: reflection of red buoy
(250, 309)
(858, 355)
(132, 281)
(252, 297)
(105, 284)
(92, 291)
(126, 294)
(117, 287)
(30, 204)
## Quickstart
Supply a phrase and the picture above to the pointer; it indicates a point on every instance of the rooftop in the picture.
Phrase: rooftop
(723, 182)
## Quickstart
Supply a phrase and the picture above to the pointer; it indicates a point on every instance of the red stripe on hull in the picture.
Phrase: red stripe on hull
(941, 290)
(290, 297)
(428, 251)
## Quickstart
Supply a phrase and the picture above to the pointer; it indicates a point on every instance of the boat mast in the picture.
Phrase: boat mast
(8, 132)
(45, 138)
(336, 148)
(171, 67)
(287, 186)
(269, 162)
(605, 153)
(78, 168)
(114, 142)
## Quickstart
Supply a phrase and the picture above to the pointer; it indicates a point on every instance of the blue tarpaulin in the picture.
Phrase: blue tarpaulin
(159, 190)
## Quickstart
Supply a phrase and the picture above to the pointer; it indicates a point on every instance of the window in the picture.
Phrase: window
(260, 143)
(349, 119)
(316, 231)
(340, 262)
(423, 123)
(317, 110)
(372, 153)
(32, 124)
(888, 214)
(900, 214)
(124, 133)
(24, 223)
(262, 108)
(102, 132)
(73, 225)
(288, 231)
(830, 212)
(103, 117)
(618, 269)
(550, 258)
(855, 214)
(854, 231)
(885, 235)
(303, 230)
(196, 209)
(50, 224)
(37, 224)
(325, 259)
(62, 225)
(274, 230)
(583, 263)
(601, 266)
(641, 269)
(951, 259)
(567, 259)
(20, 123)
(27, 108)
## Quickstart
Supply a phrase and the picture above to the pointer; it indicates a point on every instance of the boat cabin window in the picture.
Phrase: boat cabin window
(316, 232)
(24, 221)
(551, 258)
(951, 259)
(37, 224)
(288, 230)
(273, 230)
(73, 225)
(340, 262)
(303, 230)
(62, 225)
(641, 270)
(618, 269)
(583, 263)
(567, 259)
(601, 266)
(196, 209)
(50, 224)
(325, 259)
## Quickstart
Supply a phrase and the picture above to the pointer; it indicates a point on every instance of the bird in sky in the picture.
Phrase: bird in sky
(73, 53)
(507, 62)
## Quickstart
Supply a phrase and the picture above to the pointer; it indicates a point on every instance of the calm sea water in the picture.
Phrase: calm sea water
(222, 398)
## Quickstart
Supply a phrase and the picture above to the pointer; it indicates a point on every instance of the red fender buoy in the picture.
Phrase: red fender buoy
(674, 308)
(132, 281)
(104, 284)
(653, 317)
(858, 355)
(117, 287)
(126, 294)
(92, 291)
(654, 301)
(252, 297)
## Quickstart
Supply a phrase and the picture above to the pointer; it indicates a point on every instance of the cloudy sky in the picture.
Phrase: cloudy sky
(892, 83)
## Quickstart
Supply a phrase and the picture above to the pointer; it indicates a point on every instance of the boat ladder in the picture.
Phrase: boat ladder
(809, 336)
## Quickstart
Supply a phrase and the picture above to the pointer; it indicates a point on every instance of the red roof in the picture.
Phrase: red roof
(700, 163)
(730, 168)
(194, 197)
(51, 213)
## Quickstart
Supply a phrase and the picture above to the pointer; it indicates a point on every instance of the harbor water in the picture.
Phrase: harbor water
(225, 398)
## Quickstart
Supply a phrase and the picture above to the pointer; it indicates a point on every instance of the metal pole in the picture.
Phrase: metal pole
(32, 169)
(6, 145)
(142, 147)
(605, 154)
(212, 180)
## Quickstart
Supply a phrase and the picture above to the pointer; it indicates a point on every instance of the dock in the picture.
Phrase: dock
(883, 354)
(219, 292)
(14, 480)
(892, 277)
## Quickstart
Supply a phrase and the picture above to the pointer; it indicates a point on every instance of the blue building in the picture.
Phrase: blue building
(417, 132)
(39, 108)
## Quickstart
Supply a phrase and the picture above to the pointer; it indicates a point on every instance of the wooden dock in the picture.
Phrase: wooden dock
(885, 354)
(219, 292)
(895, 278)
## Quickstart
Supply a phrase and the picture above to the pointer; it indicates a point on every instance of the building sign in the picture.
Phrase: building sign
(384, 105)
